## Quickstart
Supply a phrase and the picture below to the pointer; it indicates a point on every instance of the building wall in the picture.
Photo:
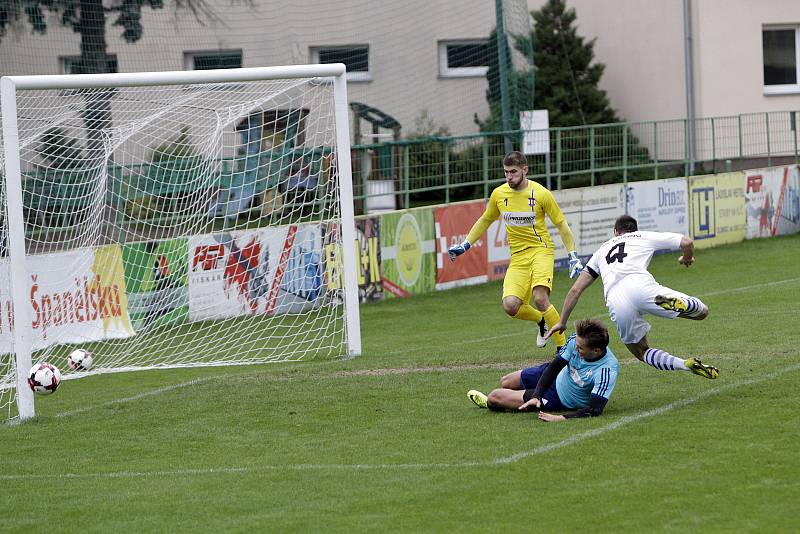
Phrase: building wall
(402, 37)
(728, 56)
(642, 46)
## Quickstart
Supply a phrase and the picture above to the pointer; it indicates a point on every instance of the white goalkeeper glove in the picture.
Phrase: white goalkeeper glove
(458, 250)
(575, 265)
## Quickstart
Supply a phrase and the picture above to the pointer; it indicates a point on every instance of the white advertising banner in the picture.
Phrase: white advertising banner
(260, 272)
(660, 205)
(590, 212)
(771, 201)
(75, 297)
(569, 200)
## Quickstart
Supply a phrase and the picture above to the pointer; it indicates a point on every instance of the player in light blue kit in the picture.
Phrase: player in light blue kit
(578, 381)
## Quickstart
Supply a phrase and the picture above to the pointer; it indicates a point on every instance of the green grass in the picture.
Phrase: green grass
(389, 442)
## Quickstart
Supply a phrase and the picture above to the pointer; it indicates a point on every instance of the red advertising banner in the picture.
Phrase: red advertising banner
(498, 252)
(452, 225)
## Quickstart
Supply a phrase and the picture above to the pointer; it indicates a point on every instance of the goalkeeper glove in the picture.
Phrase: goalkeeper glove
(575, 265)
(458, 250)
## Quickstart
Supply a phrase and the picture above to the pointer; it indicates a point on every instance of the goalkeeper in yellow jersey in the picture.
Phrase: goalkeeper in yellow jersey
(522, 204)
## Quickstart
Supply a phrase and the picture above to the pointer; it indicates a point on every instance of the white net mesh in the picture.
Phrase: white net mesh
(179, 225)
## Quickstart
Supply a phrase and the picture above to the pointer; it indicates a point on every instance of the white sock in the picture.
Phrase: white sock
(694, 307)
(663, 360)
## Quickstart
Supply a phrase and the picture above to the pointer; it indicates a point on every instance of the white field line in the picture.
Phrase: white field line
(123, 400)
(503, 460)
(151, 393)
(748, 288)
(167, 389)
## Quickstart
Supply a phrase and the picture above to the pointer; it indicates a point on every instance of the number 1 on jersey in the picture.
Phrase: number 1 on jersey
(617, 253)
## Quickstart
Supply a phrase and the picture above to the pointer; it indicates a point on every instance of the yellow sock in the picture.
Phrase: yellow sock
(551, 317)
(527, 312)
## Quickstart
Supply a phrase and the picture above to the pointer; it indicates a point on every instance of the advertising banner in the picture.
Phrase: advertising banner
(408, 252)
(75, 297)
(716, 209)
(570, 201)
(771, 201)
(452, 224)
(260, 272)
(368, 259)
(498, 255)
(600, 206)
(659, 205)
(156, 277)
(590, 212)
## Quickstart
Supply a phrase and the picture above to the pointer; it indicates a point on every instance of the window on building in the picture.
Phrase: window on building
(216, 59)
(463, 58)
(75, 65)
(781, 46)
(355, 58)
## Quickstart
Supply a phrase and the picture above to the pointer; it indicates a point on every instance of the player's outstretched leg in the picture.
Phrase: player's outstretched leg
(478, 398)
(702, 369)
(665, 361)
(687, 307)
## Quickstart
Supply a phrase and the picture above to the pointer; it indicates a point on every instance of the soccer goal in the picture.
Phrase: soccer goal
(175, 219)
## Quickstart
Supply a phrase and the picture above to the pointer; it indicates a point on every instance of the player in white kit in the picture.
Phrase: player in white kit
(631, 291)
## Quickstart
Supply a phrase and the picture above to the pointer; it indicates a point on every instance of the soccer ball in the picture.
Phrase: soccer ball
(80, 360)
(44, 378)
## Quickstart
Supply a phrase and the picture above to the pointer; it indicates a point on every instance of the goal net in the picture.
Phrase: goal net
(175, 219)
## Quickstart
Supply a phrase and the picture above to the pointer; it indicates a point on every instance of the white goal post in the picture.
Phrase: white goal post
(175, 219)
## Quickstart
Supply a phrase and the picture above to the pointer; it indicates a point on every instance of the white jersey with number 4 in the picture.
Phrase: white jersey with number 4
(629, 254)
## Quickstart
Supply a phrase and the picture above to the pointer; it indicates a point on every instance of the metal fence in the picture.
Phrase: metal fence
(428, 170)
(435, 170)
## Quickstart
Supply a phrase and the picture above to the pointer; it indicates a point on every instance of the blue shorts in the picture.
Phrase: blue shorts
(530, 377)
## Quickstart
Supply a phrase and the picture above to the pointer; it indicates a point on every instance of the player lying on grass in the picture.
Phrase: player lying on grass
(631, 291)
(578, 381)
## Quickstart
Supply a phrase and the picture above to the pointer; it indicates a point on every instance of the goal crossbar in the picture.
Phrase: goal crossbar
(190, 77)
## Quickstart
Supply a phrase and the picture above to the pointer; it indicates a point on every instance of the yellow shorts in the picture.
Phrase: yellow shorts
(528, 269)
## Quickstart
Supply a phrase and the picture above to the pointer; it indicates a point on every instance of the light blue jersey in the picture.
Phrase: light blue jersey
(580, 379)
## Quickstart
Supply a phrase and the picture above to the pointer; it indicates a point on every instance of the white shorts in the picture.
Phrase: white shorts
(630, 299)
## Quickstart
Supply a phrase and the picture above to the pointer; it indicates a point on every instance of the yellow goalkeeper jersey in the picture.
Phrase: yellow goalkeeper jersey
(523, 214)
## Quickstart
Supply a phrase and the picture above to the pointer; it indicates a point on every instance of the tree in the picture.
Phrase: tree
(567, 79)
(519, 87)
(88, 18)
(567, 85)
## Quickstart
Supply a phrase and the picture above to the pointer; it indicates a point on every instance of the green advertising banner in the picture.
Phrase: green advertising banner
(156, 276)
(408, 252)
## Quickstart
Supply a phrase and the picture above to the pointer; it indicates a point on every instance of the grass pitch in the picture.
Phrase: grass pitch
(389, 442)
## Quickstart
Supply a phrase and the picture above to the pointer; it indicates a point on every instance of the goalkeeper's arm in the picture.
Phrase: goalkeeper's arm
(575, 265)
